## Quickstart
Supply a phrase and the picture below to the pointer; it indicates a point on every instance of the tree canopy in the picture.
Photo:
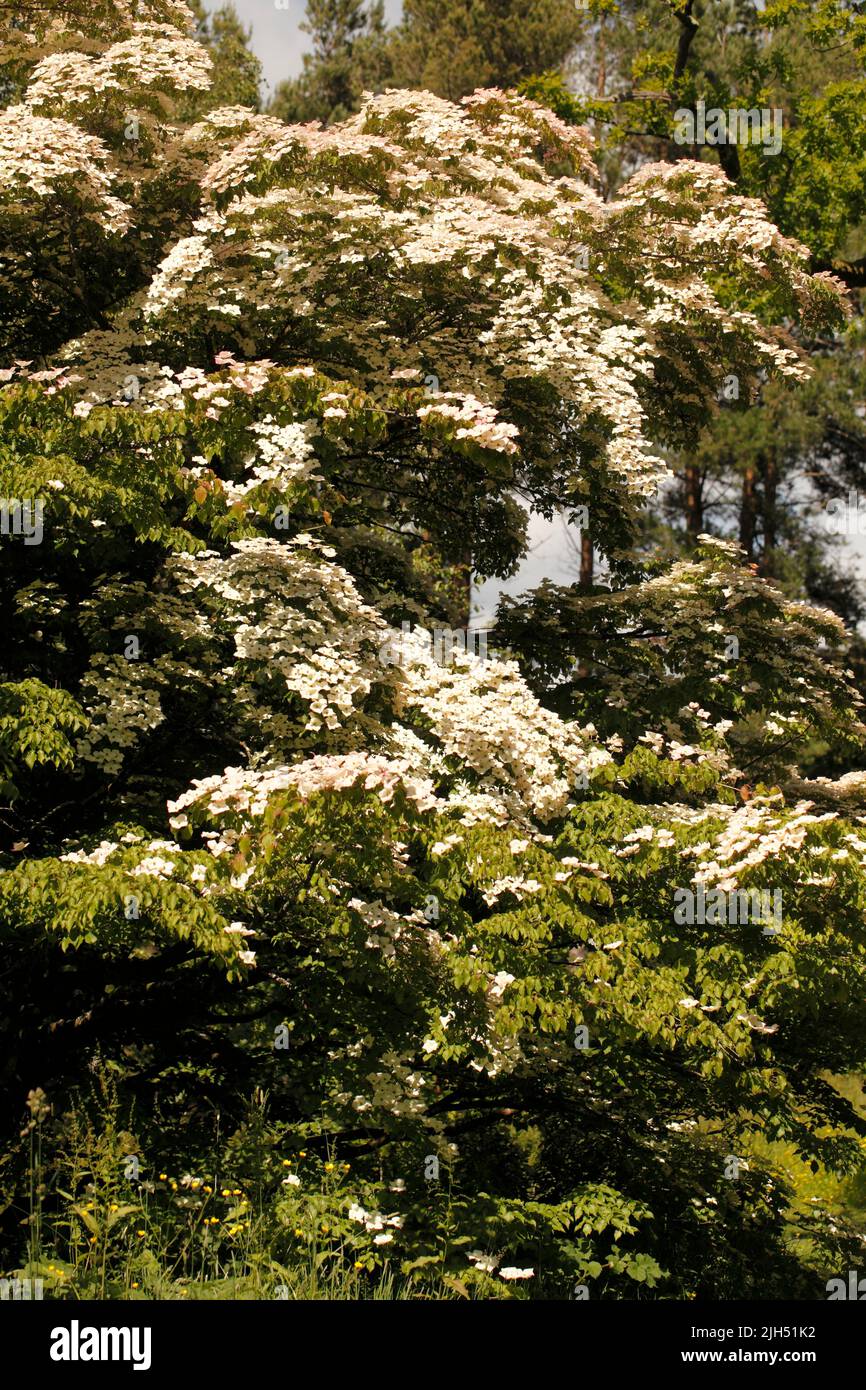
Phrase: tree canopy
(397, 934)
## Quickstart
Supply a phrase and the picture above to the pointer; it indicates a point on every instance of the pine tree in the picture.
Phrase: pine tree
(452, 47)
(237, 71)
(765, 470)
(349, 56)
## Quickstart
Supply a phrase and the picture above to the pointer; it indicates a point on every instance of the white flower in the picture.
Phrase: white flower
(499, 983)
(757, 1024)
(510, 1272)
(486, 1263)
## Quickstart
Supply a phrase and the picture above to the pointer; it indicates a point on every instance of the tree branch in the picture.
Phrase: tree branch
(688, 29)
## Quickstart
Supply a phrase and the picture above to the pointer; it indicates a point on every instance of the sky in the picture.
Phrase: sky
(279, 43)
(277, 40)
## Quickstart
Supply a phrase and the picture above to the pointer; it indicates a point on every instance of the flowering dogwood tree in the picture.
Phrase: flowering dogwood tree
(258, 839)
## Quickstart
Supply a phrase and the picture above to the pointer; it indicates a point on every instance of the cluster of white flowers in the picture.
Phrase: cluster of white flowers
(375, 1221)
(848, 791)
(152, 55)
(489, 1264)
(519, 887)
(400, 1091)
(100, 855)
(661, 837)
(757, 833)
(483, 714)
(186, 259)
(473, 420)
(387, 927)
(500, 236)
(246, 793)
(123, 703)
(281, 631)
(52, 160)
(287, 612)
(283, 454)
